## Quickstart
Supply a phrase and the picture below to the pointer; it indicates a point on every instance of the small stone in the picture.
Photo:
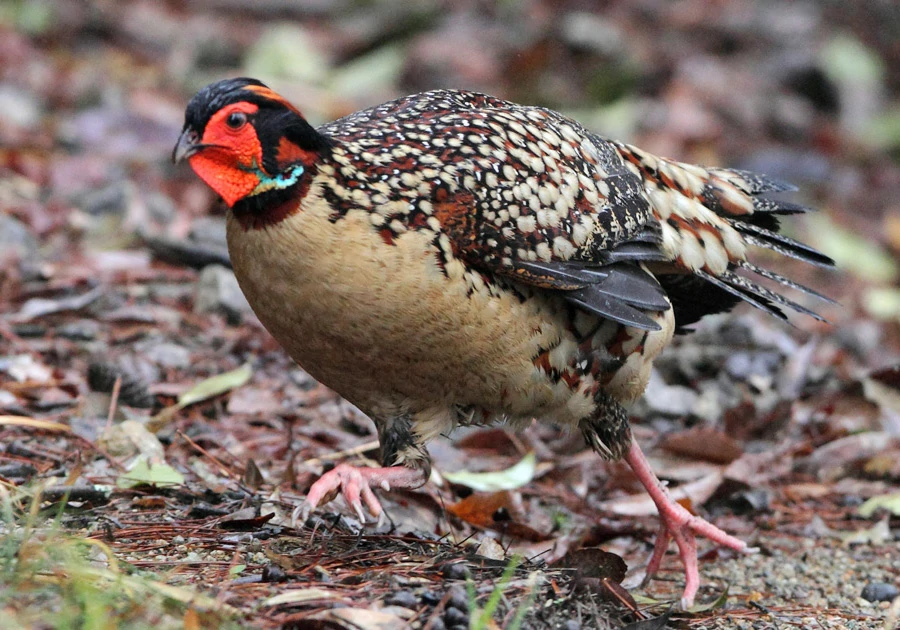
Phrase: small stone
(571, 624)
(218, 292)
(458, 598)
(454, 617)
(273, 573)
(438, 624)
(430, 598)
(879, 592)
(454, 571)
(402, 598)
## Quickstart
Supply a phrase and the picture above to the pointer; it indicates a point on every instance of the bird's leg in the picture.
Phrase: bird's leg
(355, 484)
(399, 443)
(678, 524)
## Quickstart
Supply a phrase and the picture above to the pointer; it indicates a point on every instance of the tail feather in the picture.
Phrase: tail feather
(709, 217)
(777, 206)
(752, 183)
(747, 285)
(761, 237)
(776, 277)
(747, 296)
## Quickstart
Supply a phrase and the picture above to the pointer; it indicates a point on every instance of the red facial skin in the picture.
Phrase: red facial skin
(229, 163)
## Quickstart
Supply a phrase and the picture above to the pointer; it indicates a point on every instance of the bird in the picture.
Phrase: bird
(451, 258)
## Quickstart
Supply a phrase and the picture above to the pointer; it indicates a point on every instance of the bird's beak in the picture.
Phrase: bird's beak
(188, 145)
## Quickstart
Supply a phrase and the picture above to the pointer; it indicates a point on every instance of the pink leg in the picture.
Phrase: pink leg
(356, 486)
(679, 524)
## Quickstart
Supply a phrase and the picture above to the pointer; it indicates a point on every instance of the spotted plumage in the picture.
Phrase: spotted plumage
(450, 258)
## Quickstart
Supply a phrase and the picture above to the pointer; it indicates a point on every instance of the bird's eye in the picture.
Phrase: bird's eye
(236, 120)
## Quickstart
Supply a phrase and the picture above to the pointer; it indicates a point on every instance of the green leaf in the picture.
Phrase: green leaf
(714, 605)
(216, 385)
(889, 502)
(145, 473)
(236, 570)
(509, 479)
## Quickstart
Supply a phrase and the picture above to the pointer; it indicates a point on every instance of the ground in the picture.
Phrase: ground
(154, 439)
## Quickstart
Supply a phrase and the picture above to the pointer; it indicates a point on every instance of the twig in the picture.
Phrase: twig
(113, 402)
(356, 450)
(209, 455)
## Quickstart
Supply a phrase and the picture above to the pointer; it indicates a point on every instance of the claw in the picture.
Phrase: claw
(355, 484)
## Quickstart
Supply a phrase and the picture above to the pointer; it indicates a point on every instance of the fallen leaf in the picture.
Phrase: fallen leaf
(209, 388)
(300, 596)
(704, 443)
(878, 534)
(509, 479)
(889, 502)
(358, 619)
(485, 510)
(216, 385)
(833, 460)
(145, 473)
(39, 307)
(489, 548)
(713, 605)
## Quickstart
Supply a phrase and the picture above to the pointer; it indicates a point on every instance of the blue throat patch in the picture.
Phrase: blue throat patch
(283, 180)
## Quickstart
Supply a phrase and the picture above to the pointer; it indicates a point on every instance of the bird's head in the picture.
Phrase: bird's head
(245, 141)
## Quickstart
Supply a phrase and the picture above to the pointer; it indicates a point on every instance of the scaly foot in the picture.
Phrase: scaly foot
(356, 486)
(678, 524)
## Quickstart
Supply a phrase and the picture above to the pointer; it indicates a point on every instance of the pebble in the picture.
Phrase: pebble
(430, 598)
(218, 292)
(454, 617)
(402, 598)
(879, 592)
(458, 598)
(273, 573)
(454, 571)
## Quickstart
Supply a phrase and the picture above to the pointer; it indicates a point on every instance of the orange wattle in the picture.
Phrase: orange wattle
(220, 172)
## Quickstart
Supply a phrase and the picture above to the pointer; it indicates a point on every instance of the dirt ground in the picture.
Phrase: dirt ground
(145, 410)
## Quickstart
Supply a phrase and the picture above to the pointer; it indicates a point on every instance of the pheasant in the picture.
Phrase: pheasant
(450, 258)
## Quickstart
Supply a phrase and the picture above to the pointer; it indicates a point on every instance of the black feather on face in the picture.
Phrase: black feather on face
(276, 118)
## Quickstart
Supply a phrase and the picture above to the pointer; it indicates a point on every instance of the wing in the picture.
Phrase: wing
(517, 192)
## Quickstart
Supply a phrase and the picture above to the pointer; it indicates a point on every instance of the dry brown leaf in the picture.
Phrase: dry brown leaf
(501, 511)
(704, 443)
